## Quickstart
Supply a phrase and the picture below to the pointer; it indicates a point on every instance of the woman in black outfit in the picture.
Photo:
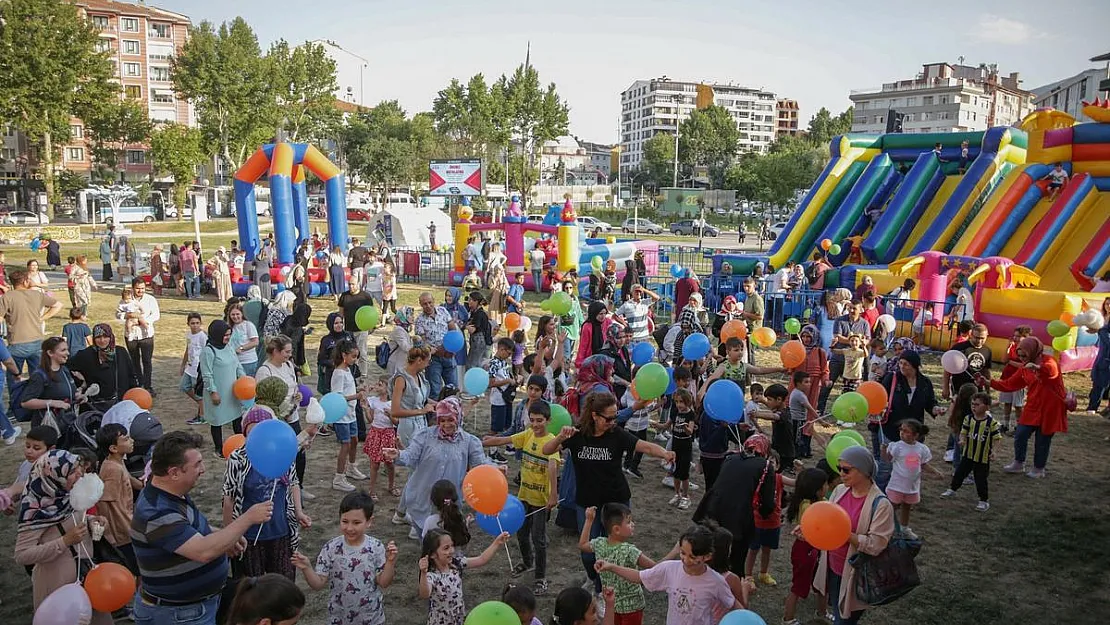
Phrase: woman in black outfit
(105, 364)
(616, 347)
(911, 397)
(51, 386)
(294, 327)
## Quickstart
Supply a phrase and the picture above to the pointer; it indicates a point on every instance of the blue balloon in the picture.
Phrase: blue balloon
(476, 381)
(272, 448)
(677, 271)
(510, 519)
(321, 254)
(724, 401)
(453, 341)
(742, 617)
(695, 346)
(643, 353)
(335, 407)
(671, 387)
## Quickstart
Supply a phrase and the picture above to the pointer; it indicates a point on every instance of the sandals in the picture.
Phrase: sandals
(394, 492)
(374, 497)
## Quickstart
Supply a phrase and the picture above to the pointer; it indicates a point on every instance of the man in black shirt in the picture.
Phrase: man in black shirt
(357, 259)
(978, 361)
(349, 302)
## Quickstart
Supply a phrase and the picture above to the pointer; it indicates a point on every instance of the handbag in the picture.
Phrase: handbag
(886, 577)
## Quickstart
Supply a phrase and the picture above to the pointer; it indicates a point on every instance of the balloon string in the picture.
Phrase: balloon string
(507, 554)
(537, 511)
(259, 532)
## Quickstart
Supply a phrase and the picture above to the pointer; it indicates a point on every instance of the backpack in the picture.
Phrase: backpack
(16, 411)
(382, 353)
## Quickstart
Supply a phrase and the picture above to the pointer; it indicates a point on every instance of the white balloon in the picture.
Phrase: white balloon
(68, 604)
(314, 413)
(86, 492)
(525, 323)
(887, 322)
(1096, 321)
(954, 362)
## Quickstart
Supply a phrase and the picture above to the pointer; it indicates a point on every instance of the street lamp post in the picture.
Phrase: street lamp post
(365, 64)
(21, 171)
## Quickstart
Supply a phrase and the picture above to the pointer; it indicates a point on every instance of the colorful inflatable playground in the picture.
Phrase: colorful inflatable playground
(912, 205)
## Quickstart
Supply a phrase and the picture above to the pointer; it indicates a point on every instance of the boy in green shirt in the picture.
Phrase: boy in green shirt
(617, 520)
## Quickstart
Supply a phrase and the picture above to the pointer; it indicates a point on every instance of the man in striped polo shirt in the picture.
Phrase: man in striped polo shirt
(634, 312)
(183, 563)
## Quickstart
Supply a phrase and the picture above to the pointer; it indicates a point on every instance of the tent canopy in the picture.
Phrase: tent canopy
(408, 227)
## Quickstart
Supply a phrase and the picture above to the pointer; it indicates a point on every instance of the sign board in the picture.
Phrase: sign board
(462, 177)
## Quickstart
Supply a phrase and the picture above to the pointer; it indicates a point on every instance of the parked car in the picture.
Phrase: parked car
(589, 223)
(482, 217)
(688, 227)
(358, 214)
(776, 230)
(641, 225)
(536, 219)
(23, 218)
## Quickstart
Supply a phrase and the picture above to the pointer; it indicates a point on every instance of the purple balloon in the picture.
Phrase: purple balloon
(306, 394)
(67, 605)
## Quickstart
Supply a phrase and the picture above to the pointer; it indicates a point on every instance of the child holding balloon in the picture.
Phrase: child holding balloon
(810, 488)
(576, 606)
(908, 456)
(440, 579)
(344, 356)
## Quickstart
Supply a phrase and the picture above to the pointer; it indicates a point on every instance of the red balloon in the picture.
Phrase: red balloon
(826, 525)
(110, 586)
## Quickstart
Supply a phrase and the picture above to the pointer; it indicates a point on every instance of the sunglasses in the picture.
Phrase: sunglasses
(843, 469)
(607, 418)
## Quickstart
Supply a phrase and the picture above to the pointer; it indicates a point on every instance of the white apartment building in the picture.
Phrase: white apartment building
(1068, 95)
(944, 98)
(649, 107)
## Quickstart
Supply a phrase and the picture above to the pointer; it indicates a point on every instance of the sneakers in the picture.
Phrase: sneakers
(1035, 474)
(340, 483)
(983, 506)
(498, 458)
(674, 500)
(668, 481)
(540, 587)
(948, 493)
(16, 431)
(684, 503)
(354, 473)
(414, 534)
(520, 568)
(792, 621)
(197, 420)
(324, 431)
(908, 533)
(307, 496)
(1014, 467)
(398, 519)
(949, 455)
(634, 473)
(767, 580)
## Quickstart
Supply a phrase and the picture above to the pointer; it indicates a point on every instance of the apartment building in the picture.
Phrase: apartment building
(649, 107)
(1068, 94)
(944, 98)
(787, 117)
(141, 40)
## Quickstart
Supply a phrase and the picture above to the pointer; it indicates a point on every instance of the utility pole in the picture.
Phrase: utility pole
(675, 182)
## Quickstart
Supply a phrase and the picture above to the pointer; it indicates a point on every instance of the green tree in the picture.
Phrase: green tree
(225, 75)
(823, 126)
(531, 115)
(709, 138)
(464, 114)
(658, 159)
(304, 83)
(523, 175)
(49, 71)
(379, 144)
(177, 151)
(110, 128)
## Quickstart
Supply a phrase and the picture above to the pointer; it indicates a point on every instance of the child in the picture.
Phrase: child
(535, 391)
(117, 504)
(809, 488)
(855, 355)
(783, 433)
(195, 339)
(518, 337)
(522, 601)
(389, 290)
(722, 556)
(472, 281)
(752, 406)
(908, 457)
(683, 423)
(695, 593)
(734, 368)
(539, 490)
(977, 437)
(127, 305)
(576, 606)
(639, 420)
(345, 354)
(440, 579)
(768, 529)
(609, 282)
(615, 549)
(957, 411)
(515, 297)
(817, 366)
(381, 435)
(71, 285)
(1014, 400)
(447, 517)
(877, 361)
(355, 566)
(271, 598)
(39, 440)
(802, 412)
(77, 333)
(501, 391)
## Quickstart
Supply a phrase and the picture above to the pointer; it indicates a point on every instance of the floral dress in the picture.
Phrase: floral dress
(445, 605)
(352, 572)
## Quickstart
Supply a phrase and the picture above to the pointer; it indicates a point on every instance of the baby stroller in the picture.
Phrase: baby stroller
(144, 428)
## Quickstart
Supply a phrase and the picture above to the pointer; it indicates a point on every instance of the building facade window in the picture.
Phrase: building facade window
(160, 31)
(77, 131)
(160, 97)
(103, 45)
(129, 24)
(160, 74)
(135, 92)
(8, 154)
(130, 46)
(75, 154)
(100, 21)
(132, 69)
(136, 157)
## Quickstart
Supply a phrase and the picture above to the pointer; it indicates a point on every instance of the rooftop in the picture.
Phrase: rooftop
(130, 8)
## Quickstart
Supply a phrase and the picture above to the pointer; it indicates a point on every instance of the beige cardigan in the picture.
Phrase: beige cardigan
(54, 563)
(873, 534)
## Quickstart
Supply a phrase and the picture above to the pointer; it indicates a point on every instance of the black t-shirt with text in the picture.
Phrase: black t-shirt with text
(599, 477)
(978, 361)
(679, 421)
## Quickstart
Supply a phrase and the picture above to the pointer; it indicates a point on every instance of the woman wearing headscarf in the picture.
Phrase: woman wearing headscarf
(498, 294)
(641, 268)
(872, 518)
(460, 314)
(690, 321)
(221, 274)
(1045, 411)
(220, 368)
(298, 279)
(443, 452)
(336, 332)
(270, 546)
(867, 285)
(760, 277)
(616, 347)
(730, 310)
(277, 312)
(105, 364)
(83, 284)
(294, 327)
(279, 351)
(48, 536)
(174, 263)
(480, 329)
(593, 334)
(631, 276)
(400, 340)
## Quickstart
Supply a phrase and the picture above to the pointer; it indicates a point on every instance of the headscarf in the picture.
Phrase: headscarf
(596, 371)
(332, 332)
(449, 407)
(46, 500)
(907, 344)
(217, 331)
(108, 354)
(254, 293)
(597, 335)
(301, 314)
(404, 317)
(257, 414)
(614, 333)
(757, 271)
(861, 459)
(1033, 348)
(285, 300)
(729, 299)
(758, 444)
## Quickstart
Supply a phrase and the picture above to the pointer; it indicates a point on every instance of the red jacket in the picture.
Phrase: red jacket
(1044, 405)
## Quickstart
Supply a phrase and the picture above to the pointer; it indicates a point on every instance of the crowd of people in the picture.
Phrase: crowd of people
(408, 410)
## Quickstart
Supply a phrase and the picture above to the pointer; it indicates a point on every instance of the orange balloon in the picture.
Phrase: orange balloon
(110, 586)
(512, 322)
(141, 397)
(1068, 318)
(485, 489)
(826, 525)
(876, 396)
(826, 244)
(734, 328)
(793, 354)
(233, 443)
(244, 388)
(764, 337)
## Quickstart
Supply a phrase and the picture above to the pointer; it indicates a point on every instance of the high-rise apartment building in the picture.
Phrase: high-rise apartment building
(649, 107)
(944, 98)
(787, 117)
(1068, 94)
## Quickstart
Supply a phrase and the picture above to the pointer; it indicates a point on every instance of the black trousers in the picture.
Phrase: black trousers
(142, 356)
(632, 460)
(738, 555)
(711, 468)
(979, 469)
(532, 538)
(107, 272)
(301, 461)
(218, 433)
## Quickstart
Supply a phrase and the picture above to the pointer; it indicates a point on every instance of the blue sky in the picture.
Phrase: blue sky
(809, 50)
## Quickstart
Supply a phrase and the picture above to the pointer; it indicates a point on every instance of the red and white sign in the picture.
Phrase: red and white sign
(455, 177)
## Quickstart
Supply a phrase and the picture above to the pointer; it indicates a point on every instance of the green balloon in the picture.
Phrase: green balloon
(807, 313)
(560, 303)
(1058, 328)
(1061, 343)
(492, 613)
(595, 262)
(850, 407)
(652, 380)
(367, 318)
(834, 249)
(560, 418)
(852, 434)
(837, 447)
(793, 326)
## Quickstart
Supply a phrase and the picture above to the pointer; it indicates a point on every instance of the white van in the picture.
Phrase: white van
(400, 201)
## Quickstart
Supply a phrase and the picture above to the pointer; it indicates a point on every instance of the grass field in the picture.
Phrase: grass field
(1041, 554)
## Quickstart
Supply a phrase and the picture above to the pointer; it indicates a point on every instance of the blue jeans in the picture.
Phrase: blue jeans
(1040, 445)
(6, 428)
(203, 613)
(30, 353)
(192, 284)
(833, 588)
(441, 372)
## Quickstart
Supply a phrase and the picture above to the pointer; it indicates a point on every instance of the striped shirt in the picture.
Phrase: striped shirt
(636, 314)
(161, 524)
(980, 434)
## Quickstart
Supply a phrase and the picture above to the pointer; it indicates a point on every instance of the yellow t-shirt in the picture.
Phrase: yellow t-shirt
(533, 467)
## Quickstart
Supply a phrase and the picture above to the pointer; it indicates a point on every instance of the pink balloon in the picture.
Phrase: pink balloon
(954, 362)
(68, 605)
